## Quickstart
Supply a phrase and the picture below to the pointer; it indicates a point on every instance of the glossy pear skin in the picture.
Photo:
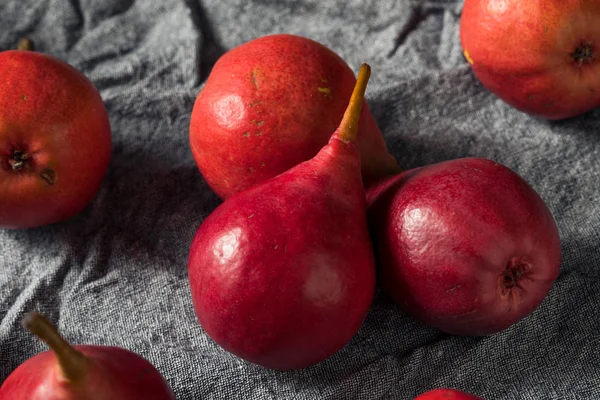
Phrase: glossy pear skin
(447, 394)
(541, 57)
(282, 274)
(465, 246)
(55, 140)
(270, 104)
(114, 374)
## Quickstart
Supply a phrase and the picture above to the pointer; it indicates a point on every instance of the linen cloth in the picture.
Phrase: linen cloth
(116, 273)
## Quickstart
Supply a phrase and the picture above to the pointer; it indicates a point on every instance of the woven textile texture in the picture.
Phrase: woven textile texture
(116, 273)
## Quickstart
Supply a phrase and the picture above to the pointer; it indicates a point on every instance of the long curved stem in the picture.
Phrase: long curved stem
(74, 365)
(348, 128)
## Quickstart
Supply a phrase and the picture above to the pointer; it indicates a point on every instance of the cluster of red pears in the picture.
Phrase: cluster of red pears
(315, 209)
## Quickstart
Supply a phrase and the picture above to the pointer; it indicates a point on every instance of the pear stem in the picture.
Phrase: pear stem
(73, 364)
(25, 44)
(348, 129)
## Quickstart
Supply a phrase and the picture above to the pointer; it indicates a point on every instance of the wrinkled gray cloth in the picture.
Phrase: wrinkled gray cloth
(116, 273)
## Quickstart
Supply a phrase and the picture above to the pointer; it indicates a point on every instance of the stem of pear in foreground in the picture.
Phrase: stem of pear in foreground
(73, 364)
(349, 126)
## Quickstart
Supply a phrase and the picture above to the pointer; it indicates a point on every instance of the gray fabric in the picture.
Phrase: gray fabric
(116, 274)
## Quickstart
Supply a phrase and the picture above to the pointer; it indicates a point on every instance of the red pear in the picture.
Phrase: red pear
(446, 394)
(282, 274)
(465, 246)
(270, 104)
(542, 57)
(82, 372)
(55, 139)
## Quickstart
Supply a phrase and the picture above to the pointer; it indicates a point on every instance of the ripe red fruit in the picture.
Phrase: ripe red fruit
(270, 104)
(282, 274)
(55, 140)
(82, 372)
(465, 246)
(446, 394)
(542, 57)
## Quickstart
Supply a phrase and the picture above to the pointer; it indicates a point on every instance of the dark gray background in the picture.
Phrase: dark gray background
(116, 273)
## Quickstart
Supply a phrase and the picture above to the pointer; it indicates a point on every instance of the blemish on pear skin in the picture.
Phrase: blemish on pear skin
(246, 134)
(258, 133)
(24, 98)
(530, 96)
(256, 76)
(468, 56)
(250, 216)
(254, 103)
(546, 28)
(592, 90)
(262, 164)
(325, 90)
(48, 175)
(257, 123)
(453, 288)
(548, 105)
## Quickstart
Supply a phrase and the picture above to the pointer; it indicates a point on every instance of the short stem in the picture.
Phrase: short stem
(349, 126)
(18, 160)
(25, 44)
(583, 53)
(73, 364)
